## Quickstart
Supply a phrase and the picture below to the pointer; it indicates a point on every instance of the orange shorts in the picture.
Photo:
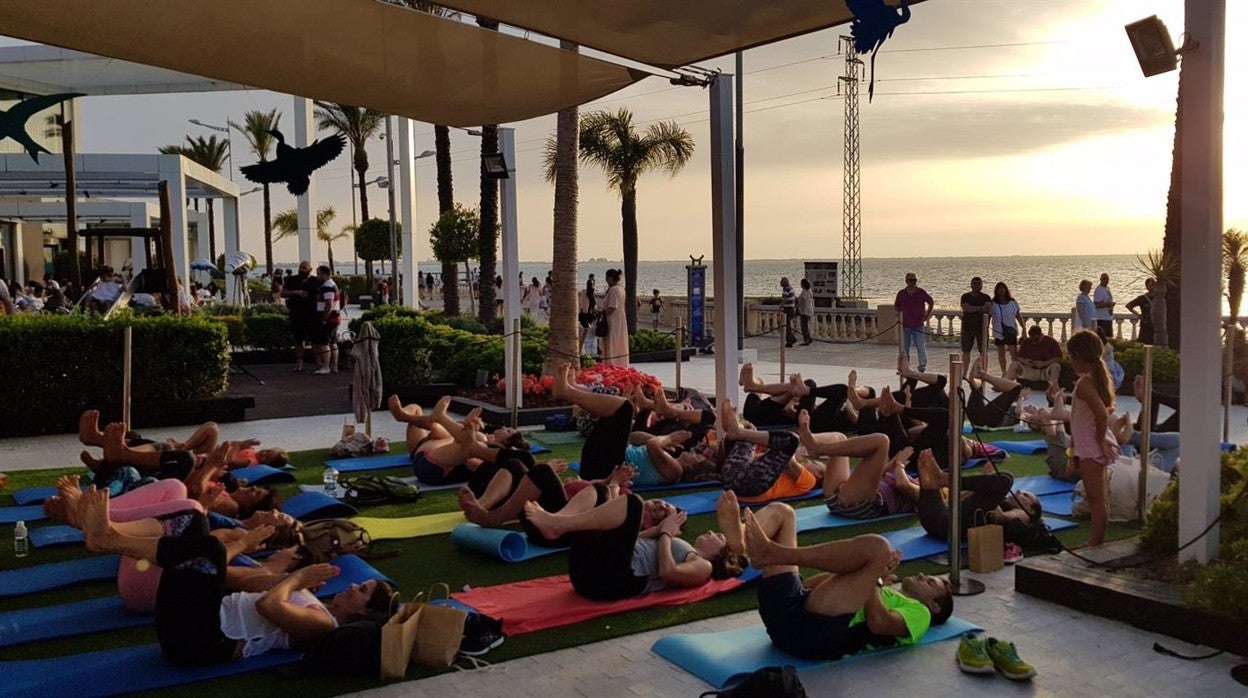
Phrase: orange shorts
(786, 487)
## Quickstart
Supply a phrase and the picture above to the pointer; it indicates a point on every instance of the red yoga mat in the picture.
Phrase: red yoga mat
(550, 602)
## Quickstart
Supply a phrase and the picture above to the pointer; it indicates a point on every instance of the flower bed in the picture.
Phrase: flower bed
(536, 389)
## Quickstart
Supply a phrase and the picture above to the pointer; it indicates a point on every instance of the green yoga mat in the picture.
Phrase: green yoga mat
(411, 526)
(553, 438)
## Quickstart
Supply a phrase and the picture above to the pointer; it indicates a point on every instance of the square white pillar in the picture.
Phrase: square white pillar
(511, 267)
(171, 169)
(406, 195)
(139, 246)
(229, 226)
(305, 130)
(724, 240)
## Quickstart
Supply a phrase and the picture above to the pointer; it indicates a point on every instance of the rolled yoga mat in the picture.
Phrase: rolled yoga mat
(307, 506)
(119, 670)
(506, 545)
(54, 575)
(1025, 448)
(411, 526)
(727, 657)
(259, 474)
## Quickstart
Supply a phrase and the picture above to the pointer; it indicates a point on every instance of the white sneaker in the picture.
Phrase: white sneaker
(321, 371)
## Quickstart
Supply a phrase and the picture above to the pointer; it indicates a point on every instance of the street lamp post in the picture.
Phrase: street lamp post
(229, 139)
(394, 233)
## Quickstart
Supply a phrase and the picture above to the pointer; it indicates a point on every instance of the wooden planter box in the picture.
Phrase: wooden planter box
(501, 416)
(655, 357)
(143, 415)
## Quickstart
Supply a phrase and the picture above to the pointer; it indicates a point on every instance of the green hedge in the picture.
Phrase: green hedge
(649, 340)
(262, 326)
(453, 355)
(55, 363)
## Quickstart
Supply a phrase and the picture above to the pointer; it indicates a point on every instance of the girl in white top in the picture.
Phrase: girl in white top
(1006, 321)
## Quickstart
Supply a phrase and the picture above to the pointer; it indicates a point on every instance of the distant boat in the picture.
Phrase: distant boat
(598, 260)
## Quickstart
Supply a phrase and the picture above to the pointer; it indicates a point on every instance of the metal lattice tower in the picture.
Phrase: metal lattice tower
(851, 213)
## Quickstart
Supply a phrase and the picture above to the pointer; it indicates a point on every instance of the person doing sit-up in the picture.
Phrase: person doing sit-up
(877, 486)
(437, 457)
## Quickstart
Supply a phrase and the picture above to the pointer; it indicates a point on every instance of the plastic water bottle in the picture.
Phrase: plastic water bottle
(21, 543)
(331, 481)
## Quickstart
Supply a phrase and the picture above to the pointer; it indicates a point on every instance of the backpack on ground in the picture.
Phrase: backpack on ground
(378, 489)
(332, 537)
(768, 682)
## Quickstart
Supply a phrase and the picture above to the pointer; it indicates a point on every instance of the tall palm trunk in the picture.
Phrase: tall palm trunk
(360, 161)
(329, 251)
(564, 331)
(268, 232)
(446, 202)
(1172, 241)
(487, 252)
(628, 217)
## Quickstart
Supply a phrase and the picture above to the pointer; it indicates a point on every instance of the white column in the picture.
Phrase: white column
(229, 225)
(724, 240)
(201, 242)
(171, 170)
(511, 266)
(406, 194)
(1201, 306)
(305, 130)
(138, 245)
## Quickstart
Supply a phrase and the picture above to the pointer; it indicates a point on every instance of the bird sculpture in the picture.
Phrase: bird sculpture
(874, 22)
(295, 166)
(13, 121)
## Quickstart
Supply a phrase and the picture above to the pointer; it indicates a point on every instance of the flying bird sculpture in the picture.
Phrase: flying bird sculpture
(874, 22)
(13, 121)
(295, 166)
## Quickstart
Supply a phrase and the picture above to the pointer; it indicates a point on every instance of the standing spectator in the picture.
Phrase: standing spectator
(1144, 303)
(328, 315)
(498, 293)
(275, 288)
(1103, 299)
(299, 292)
(615, 344)
(1039, 359)
(531, 297)
(915, 307)
(383, 290)
(806, 310)
(1005, 323)
(656, 308)
(788, 304)
(975, 305)
(1085, 310)
(429, 285)
(584, 317)
(544, 299)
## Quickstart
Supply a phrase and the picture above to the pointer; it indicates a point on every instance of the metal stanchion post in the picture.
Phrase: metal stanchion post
(127, 352)
(516, 376)
(1228, 394)
(961, 587)
(983, 343)
(1146, 429)
(784, 330)
(680, 348)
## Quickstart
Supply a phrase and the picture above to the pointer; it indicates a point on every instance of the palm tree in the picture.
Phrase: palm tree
(1172, 241)
(211, 153)
(609, 141)
(255, 128)
(561, 169)
(487, 237)
(357, 125)
(1165, 269)
(1234, 263)
(286, 224)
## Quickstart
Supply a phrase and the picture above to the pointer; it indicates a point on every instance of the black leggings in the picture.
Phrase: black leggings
(552, 498)
(698, 431)
(485, 473)
(930, 395)
(604, 447)
(987, 492)
(748, 476)
(1171, 423)
(992, 413)
(828, 415)
(764, 411)
(935, 436)
(174, 464)
(600, 563)
(188, 600)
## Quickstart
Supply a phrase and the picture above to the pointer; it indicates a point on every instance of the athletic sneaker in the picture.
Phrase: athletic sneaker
(481, 634)
(321, 371)
(1005, 659)
(1012, 554)
(972, 658)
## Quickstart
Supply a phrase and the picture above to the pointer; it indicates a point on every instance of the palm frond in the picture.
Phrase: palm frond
(669, 147)
(255, 128)
(549, 154)
(285, 224)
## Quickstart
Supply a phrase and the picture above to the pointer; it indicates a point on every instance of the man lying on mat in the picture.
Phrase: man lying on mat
(847, 608)
(772, 474)
(437, 457)
(779, 403)
(614, 555)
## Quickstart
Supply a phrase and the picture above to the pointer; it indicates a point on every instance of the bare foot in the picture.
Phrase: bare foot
(728, 518)
(728, 419)
(90, 461)
(547, 523)
(929, 471)
(89, 429)
(762, 550)
(662, 407)
(69, 491)
(473, 511)
(1137, 386)
(93, 516)
(396, 407)
(902, 458)
(114, 442)
(746, 379)
(622, 476)
(797, 387)
(440, 409)
(803, 431)
(888, 403)
(855, 400)
(559, 389)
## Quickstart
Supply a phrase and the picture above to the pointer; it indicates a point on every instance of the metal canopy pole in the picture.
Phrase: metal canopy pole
(724, 239)
(968, 586)
(511, 270)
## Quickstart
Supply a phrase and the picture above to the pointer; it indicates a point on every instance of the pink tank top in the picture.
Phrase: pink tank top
(1083, 434)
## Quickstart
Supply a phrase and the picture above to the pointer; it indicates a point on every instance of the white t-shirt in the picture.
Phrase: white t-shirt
(241, 621)
(1101, 294)
(1004, 315)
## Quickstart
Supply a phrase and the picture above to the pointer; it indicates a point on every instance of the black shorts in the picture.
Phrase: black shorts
(1008, 337)
(799, 632)
(300, 329)
(972, 338)
(324, 332)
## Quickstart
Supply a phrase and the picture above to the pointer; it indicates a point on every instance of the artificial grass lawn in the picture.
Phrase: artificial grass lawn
(426, 560)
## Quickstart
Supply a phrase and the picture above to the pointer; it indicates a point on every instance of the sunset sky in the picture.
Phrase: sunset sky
(998, 127)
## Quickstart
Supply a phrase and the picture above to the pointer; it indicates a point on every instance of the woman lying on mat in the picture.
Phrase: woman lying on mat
(659, 417)
(198, 623)
(614, 555)
(847, 608)
(657, 459)
(437, 458)
(773, 474)
(784, 401)
(1002, 410)
(878, 486)
(986, 498)
(497, 493)
(202, 441)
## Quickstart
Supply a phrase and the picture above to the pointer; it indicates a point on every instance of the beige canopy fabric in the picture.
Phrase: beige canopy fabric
(358, 52)
(665, 33)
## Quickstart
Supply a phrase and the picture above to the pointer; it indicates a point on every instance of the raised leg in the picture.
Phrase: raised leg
(597, 404)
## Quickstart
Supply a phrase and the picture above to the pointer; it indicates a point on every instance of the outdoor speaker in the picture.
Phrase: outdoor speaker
(1153, 47)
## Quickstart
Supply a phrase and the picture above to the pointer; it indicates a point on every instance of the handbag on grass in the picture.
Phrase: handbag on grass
(986, 546)
(440, 632)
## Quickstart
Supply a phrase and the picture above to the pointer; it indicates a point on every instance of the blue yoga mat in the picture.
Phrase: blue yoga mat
(1041, 485)
(1059, 503)
(59, 534)
(696, 503)
(308, 506)
(914, 543)
(508, 546)
(817, 518)
(54, 575)
(382, 462)
(33, 495)
(65, 620)
(575, 466)
(30, 512)
(120, 670)
(352, 570)
(259, 474)
(729, 656)
(1025, 448)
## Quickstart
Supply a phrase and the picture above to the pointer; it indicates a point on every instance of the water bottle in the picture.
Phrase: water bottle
(21, 543)
(331, 481)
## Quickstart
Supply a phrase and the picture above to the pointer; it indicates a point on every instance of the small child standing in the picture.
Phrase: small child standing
(656, 308)
(1094, 444)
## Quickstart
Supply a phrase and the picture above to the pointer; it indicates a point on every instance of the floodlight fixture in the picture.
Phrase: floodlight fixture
(494, 165)
(1153, 47)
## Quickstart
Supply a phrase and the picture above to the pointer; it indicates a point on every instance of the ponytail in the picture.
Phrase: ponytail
(1087, 347)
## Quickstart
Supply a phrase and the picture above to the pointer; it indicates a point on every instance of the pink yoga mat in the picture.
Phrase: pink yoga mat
(550, 602)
